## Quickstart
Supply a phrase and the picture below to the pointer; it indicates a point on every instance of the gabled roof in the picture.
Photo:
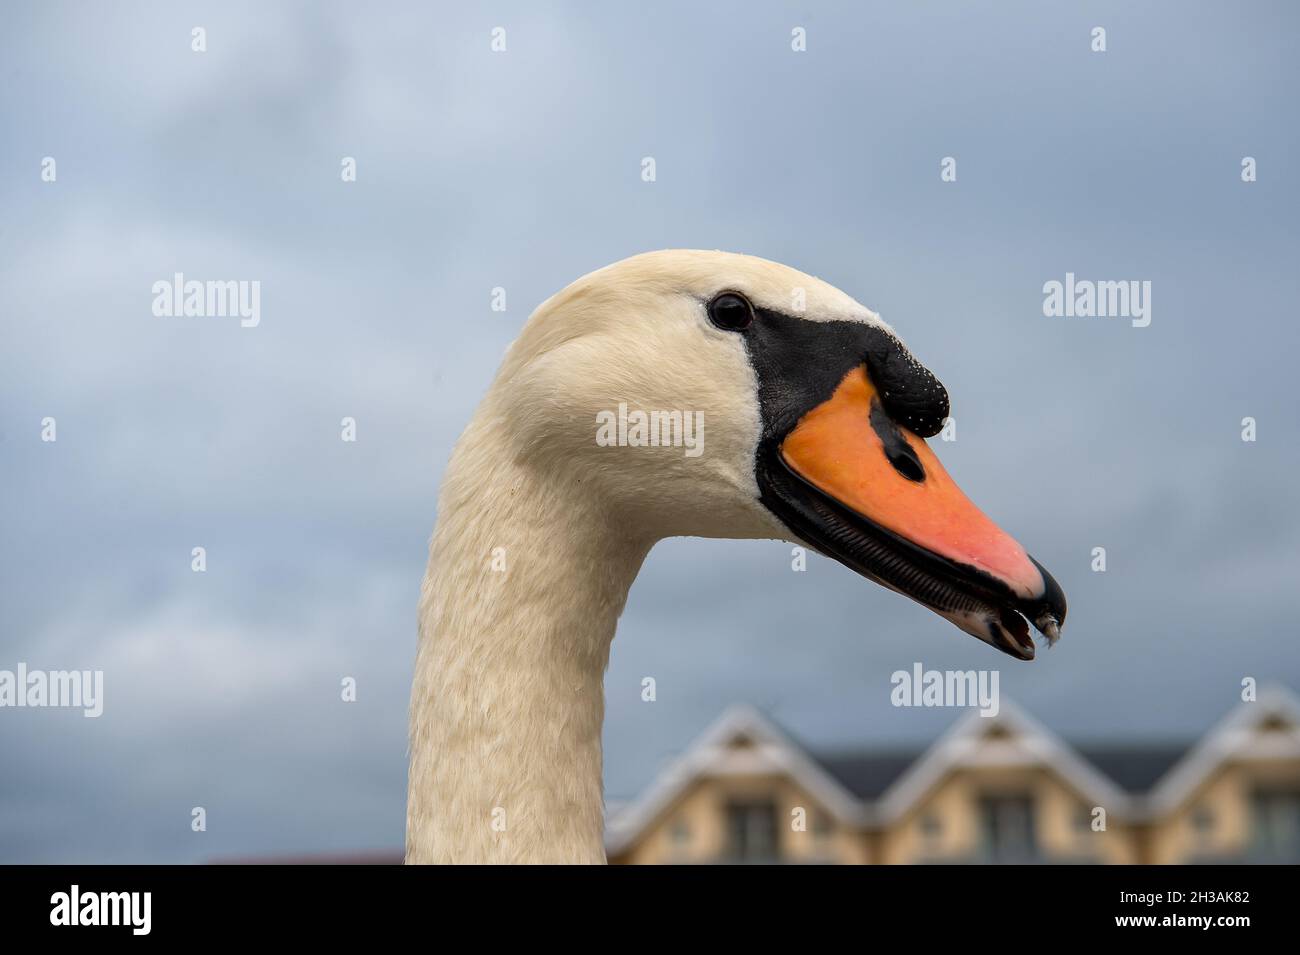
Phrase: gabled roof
(1012, 738)
(1237, 736)
(741, 742)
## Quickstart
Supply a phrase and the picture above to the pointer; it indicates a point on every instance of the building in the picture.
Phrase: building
(999, 789)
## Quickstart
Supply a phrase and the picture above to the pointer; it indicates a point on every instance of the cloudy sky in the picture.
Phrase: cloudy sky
(522, 169)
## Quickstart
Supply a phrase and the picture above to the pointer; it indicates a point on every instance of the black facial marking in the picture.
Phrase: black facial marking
(911, 394)
(800, 363)
(897, 450)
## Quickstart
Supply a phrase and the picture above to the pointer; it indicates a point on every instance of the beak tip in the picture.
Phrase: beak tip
(1051, 606)
(1050, 628)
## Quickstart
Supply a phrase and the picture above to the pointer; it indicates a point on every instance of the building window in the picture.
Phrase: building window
(680, 833)
(751, 831)
(1276, 818)
(821, 826)
(931, 826)
(1203, 821)
(1008, 829)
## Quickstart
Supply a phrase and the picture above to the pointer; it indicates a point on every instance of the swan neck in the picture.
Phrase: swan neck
(526, 579)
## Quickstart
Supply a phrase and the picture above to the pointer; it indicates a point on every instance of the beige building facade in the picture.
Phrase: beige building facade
(999, 789)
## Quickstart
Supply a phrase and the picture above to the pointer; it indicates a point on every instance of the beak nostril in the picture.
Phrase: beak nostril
(908, 466)
(897, 450)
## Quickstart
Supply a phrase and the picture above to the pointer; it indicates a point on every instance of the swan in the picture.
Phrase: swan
(812, 427)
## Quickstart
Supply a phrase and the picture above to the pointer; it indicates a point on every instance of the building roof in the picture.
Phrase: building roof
(867, 774)
(1268, 728)
(1134, 769)
(1012, 738)
(740, 742)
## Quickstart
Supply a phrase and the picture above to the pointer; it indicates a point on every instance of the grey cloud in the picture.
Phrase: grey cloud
(522, 171)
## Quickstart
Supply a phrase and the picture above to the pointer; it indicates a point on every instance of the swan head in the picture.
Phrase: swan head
(693, 393)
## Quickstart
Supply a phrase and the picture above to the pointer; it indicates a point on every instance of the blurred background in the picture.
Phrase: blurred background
(522, 170)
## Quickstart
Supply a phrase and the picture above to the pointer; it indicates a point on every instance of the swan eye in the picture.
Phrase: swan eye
(731, 312)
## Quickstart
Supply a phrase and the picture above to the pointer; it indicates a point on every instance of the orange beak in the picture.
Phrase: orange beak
(887, 508)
